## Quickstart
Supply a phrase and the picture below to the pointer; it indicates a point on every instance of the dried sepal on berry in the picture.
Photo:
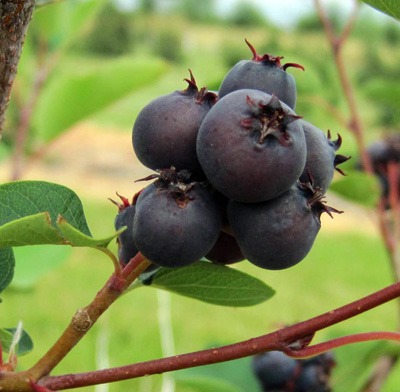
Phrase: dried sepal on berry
(202, 95)
(269, 119)
(177, 182)
(316, 201)
(266, 58)
(339, 159)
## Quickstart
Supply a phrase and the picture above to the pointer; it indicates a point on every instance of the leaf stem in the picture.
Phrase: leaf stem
(117, 265)
(320, 348)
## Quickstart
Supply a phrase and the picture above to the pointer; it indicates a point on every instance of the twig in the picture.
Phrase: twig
(317, 349)
(24, 125)
(277, 340)
(45, 67)
(328, 107)
(15, 18)
(381, 373)
(336, 44)
(394, 201)
(348, 28)
(85, 318)
(390, 237)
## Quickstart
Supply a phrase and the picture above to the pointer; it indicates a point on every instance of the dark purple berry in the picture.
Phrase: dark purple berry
(225, 251)
(177, 222)
(274, 370)
(321, 158)
(264, 73)
(312, 379)
(278, 233)
(165, 131)
(383, 153)
(251, 146)
(126, 245)
(325, 360)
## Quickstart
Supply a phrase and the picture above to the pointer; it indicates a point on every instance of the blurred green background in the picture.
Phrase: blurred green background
(87, 69)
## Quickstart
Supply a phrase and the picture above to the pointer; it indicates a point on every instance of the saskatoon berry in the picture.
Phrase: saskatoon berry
(126, 246)
(312, 379)
(263, 73)
(225, 251)
(385, 151)
(382, 153)
(278, 233)
(325, 360)
(274, 370)
(251, 146)
(321, 159)
(176, 223)
(378, 153)
(165, 131)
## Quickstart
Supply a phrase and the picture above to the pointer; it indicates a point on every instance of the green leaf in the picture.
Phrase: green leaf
(30, 230)
(48, 227)
(73, 96)
(38, 230)
(358, 187)
(25, 344)
(205, 384)
(214, 284)
(389, 7)
(75, 238)
(60, 24)
(7, 265)
(24, 198)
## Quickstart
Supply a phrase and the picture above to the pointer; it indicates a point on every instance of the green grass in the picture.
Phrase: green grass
(340, 268)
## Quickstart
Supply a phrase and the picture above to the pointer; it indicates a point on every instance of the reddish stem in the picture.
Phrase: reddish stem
(277, 340)
(317, 349)
(336, 44)
(26, 114)
(394, 200)
(355, 126)
(87, 316)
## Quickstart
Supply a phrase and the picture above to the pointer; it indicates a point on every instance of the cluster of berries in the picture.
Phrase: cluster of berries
(278, 373)
(239, 174)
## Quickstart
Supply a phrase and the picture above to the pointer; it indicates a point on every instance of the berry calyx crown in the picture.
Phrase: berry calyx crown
(339, 159)
(276, 60)
(201, 96)
(125, 203)
(316, 201)
(178, 183)
(269, 119)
